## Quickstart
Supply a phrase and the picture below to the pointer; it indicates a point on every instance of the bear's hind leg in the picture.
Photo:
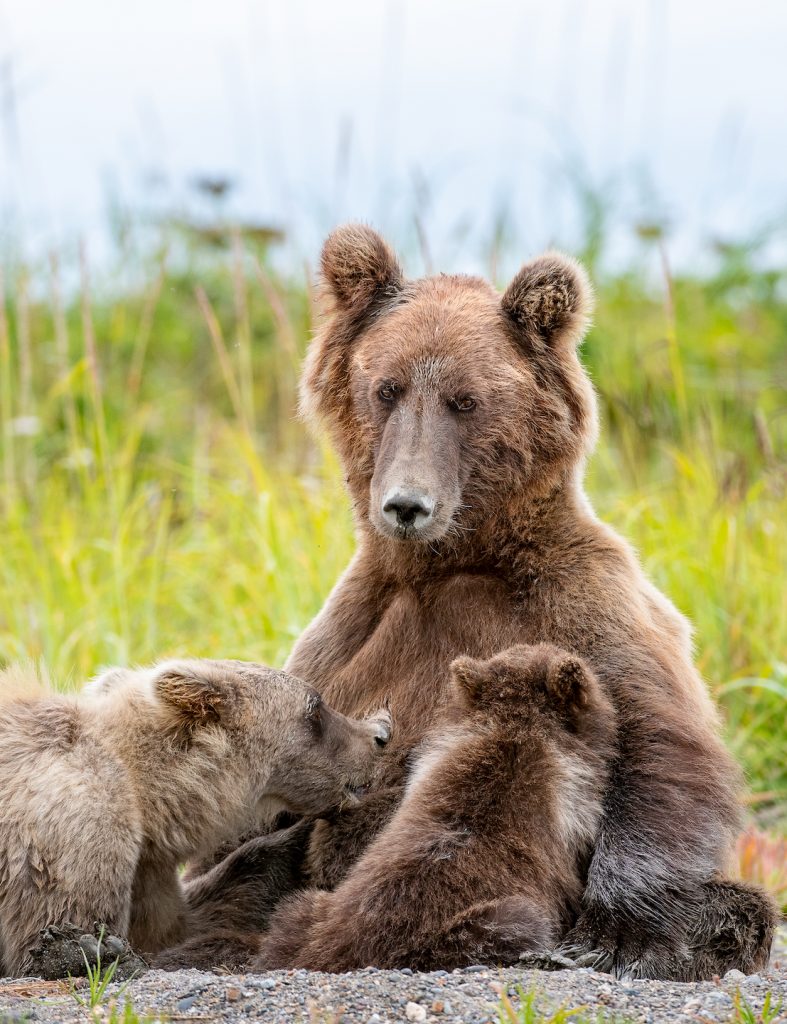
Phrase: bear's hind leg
(495, 932)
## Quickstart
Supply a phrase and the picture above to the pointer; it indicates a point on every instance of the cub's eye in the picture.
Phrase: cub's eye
(463, 404)
(387, 392)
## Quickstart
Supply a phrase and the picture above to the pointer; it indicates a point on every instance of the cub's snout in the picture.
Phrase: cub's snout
(332, 760)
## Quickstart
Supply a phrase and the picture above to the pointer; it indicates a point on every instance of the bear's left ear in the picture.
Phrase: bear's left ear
(549, 302)
(469, 677)
(190, 694)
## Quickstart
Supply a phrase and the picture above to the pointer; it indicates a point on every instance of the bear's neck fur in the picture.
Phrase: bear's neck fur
(515, 541)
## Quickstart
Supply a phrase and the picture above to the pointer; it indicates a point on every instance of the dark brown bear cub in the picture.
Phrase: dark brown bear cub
(527, 741)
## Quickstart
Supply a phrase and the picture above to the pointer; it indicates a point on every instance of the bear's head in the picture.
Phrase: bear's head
(528, 684)
(267, 739)
(448, 401)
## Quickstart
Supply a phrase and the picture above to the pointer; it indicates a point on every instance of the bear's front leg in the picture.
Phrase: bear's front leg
(670, 819)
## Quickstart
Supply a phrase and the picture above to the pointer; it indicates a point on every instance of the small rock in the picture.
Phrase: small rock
(188, 1001)
(475, 969)
(448, 1008)
(734, 976)
(753, 979)
(716, 1000)
(438, 1006)
(407, 971)
(233, 994)
(413, 1011)
(604, 993)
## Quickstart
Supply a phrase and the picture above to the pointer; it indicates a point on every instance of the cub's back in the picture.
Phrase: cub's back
(61, 792)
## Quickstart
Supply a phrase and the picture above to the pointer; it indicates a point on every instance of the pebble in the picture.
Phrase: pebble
(385, 997)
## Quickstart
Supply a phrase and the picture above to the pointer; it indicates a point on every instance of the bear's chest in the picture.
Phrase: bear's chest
(404, 656)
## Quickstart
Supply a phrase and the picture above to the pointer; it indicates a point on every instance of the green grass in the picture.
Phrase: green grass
(530, 1008)
(159, 496)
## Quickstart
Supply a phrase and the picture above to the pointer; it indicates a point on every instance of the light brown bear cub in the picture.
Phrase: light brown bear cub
(529, 737)
(103, 795)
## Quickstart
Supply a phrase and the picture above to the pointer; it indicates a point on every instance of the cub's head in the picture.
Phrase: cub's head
(524, 686)
(443, 396)
(275, 744)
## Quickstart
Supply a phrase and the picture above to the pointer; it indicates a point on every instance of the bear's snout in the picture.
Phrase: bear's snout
(407, 508)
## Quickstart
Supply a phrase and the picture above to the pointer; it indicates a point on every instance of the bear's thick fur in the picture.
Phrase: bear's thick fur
(475, 409)
(463, 419)
(103, 795)
(514, 778)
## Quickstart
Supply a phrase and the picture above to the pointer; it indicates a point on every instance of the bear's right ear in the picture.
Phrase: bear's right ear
(469, 678)
(192, 697)
(359, 268)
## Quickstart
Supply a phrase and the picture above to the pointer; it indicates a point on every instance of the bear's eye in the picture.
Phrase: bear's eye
(463, 404)
(388, 391)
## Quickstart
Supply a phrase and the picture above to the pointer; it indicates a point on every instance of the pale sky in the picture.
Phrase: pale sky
(374, 109)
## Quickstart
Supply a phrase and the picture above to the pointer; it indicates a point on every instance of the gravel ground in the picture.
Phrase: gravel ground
(469, 996)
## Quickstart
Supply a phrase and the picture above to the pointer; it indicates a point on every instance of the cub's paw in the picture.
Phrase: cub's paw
(66, 950)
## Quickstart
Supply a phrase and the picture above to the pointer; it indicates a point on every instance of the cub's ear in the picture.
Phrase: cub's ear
(106, 681)
(191, 695)
(469, 676)
(359, 267)
(549, 301)
(569, 682)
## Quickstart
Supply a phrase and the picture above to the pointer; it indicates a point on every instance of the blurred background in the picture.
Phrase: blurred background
(481, 119)
(167, 173)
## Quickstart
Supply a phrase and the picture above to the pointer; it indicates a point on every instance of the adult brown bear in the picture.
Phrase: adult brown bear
(463, 421)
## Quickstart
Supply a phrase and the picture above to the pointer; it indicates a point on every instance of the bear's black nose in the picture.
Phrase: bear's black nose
(407, 507)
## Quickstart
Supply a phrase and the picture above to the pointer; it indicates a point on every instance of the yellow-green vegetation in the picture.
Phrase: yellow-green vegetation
(770, 1012)
(159, 496)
